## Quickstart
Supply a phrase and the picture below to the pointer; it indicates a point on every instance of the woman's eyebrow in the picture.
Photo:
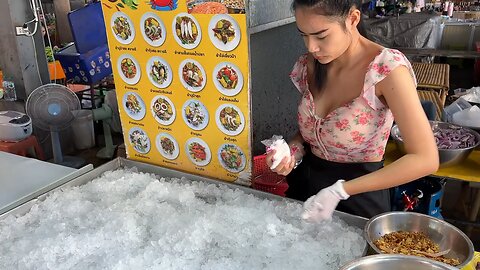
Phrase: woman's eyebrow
(316, 33)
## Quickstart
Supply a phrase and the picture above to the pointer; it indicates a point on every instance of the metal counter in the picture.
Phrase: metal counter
(23, 179)
(354, 221)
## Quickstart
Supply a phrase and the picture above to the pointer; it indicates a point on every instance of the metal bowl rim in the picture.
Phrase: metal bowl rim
(374, 247)
(395, 256)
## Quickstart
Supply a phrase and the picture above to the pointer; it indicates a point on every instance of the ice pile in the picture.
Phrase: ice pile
(130, 220)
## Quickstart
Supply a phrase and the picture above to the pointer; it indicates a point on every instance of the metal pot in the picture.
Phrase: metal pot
(448, 157)
(441, 232)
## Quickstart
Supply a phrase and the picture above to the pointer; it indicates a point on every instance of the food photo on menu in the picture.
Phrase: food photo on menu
(216, 7)
(139, 140)
(232, 158)
(122, 28)
(163, 110)
(134, 106)
(167, 146)
(198, 151)
(195, 114)
(228, 79)
(129, 69)
(192, 75)
(187, 31)
(230, 119)
(224, 32)
(153, 29)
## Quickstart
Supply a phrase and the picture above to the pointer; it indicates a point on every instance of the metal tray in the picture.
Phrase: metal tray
(354, 221)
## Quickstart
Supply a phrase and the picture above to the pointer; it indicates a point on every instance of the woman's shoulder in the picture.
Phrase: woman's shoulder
(298, 75)
(386, 61)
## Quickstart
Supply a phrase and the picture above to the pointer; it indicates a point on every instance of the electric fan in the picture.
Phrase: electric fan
(50, 107)
(108, 113)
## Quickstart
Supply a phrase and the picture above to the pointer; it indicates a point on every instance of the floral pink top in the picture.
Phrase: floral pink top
(358, 131)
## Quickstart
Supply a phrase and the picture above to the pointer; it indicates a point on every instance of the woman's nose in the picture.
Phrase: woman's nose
(312, 46)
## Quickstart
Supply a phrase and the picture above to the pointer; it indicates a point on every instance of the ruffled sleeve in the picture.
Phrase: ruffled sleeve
(379, 69)
(299, 74)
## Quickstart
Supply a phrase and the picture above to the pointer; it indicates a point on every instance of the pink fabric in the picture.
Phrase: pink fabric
(357, 131)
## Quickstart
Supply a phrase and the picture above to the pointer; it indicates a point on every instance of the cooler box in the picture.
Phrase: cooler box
(86, 68)
(87, 60)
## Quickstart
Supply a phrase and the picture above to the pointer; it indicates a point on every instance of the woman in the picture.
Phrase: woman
(351, 89)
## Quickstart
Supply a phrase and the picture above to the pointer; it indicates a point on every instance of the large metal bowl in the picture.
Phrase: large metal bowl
(395, 262)
(448, 157)
(441, 232)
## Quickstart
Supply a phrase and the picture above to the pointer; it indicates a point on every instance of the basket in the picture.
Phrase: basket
(433, 84)
(266, 180)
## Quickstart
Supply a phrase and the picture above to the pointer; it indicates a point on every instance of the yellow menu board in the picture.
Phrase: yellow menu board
(181, 75)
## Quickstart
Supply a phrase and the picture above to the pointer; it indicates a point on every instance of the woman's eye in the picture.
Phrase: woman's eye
(320, 38)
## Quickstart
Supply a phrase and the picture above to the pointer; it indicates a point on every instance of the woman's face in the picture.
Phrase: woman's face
(325, 38)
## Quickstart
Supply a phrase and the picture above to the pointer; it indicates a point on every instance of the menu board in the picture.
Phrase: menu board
(181, 75)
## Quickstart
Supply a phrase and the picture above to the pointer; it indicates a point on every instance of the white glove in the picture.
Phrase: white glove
(321, 206)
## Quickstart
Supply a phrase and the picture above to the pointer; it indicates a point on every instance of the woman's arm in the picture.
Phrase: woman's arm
(400, 94)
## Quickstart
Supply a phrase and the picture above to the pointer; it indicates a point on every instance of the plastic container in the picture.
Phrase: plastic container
(82, 127)
(9, 93)
(266, 180)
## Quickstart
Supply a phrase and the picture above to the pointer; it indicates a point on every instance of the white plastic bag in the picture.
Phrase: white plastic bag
(281, 148)
(469, 117)
(459, 105)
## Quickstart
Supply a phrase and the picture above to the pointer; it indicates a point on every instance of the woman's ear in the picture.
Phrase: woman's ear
(353, 18)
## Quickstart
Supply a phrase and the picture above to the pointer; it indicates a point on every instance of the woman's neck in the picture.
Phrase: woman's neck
(351, 56)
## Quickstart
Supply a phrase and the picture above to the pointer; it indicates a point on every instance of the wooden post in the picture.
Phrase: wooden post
(62, 7)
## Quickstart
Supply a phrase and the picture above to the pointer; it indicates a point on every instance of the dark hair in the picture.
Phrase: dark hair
(330, 8)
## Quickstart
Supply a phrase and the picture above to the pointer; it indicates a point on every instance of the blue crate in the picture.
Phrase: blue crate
(87, 68)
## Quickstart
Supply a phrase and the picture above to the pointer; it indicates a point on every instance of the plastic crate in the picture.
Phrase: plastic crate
(266, 180)
(88, 68)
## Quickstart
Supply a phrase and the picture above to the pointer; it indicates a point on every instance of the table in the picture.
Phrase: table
(469, 171)
(22, 179)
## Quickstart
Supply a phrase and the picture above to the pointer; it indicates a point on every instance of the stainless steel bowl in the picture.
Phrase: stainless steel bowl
(441, 232)
(396, 262)
(448, 157)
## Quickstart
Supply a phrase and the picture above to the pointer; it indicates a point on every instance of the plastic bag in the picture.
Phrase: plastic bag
(469, 117)
(459, 105)
(281, 148)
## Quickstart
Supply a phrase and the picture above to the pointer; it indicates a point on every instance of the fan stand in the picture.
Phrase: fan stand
(58, 158)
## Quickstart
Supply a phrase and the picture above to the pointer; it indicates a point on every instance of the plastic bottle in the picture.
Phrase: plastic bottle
(1, 84)
(445, 8)
(450, 10)
(9, 93)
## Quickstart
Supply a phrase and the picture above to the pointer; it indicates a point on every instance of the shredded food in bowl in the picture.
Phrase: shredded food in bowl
(412, 243)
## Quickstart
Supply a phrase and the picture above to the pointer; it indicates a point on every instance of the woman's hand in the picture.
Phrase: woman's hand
(284, 167)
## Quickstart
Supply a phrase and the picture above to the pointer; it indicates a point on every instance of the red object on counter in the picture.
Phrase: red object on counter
(266, 180)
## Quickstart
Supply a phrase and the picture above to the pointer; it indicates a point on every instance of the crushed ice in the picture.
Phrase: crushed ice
(130, 220)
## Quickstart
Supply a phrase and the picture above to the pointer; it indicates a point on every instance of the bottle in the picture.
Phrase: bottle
(1, 84)
(9, 93)
(450, 10)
